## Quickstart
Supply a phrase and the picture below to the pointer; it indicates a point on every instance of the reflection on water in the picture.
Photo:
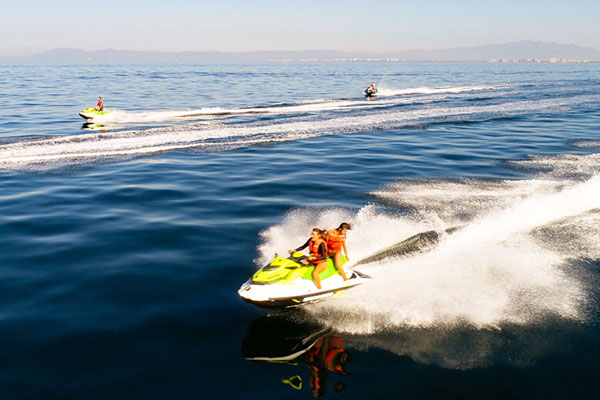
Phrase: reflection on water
(91, 126)
(281, 338)
(296, 339)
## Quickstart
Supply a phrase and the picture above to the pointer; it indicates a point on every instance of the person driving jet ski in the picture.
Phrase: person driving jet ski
(371, 90)
(317, 246)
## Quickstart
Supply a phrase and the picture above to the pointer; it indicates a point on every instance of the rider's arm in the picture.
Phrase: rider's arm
(305, 245)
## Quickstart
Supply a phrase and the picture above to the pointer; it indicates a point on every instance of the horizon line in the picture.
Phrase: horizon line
(39, 50)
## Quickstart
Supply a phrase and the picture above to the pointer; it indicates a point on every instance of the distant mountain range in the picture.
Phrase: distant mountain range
(525, 50)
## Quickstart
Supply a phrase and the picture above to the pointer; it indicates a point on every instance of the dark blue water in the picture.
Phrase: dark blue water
(124, 241)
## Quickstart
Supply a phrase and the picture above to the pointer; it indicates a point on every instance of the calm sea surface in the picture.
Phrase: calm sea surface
(123, 242)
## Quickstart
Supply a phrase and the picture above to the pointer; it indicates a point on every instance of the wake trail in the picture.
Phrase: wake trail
(58, 151)
(316, 105)
(385, 91)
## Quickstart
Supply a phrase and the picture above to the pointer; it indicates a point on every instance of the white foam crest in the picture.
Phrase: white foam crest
(538, 210)
(563, 166)
(68, 149)
(317, 105)
(385, 91)
(123, 117)
(128, 117)
(490, 272)
(459, 201)
(573, 237)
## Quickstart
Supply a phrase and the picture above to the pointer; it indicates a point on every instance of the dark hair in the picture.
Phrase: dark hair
(321, 233)
(344, 225)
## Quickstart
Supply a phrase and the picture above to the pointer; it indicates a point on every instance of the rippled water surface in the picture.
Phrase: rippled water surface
(124, 240)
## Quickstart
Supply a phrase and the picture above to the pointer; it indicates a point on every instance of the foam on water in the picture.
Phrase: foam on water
(513, 261)
(308, 106)
(385, 91)
(68, 150)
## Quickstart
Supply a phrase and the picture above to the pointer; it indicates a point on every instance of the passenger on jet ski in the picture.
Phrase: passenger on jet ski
(317, 246)
(336, 241)
(100, 106)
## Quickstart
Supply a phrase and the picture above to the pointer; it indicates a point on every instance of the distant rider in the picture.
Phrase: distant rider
(336, 241)
(318, 253)
(100, 105)
(371, 89)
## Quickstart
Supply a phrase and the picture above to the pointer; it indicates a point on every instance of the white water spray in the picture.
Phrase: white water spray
(507, 264)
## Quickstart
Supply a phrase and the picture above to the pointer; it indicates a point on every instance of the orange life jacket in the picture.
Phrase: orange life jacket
(313, 248)
(335, 241)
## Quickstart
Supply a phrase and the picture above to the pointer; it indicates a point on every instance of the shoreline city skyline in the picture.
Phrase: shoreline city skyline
(522, 51)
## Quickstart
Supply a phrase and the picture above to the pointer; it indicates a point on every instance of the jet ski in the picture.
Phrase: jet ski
(92, 112)
(370, 92)
(287, 282)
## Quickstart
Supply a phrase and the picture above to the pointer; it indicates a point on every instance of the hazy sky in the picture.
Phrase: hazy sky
(235, 25)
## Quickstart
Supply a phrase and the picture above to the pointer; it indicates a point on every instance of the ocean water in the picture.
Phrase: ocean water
(123, 242)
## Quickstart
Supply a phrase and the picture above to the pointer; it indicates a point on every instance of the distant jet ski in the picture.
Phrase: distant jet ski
(370, 91)
(92, 112)
(286, 282)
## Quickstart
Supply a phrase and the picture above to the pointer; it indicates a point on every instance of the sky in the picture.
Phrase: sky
(374, 26)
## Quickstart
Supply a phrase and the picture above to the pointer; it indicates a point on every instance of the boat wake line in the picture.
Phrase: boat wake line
(409, 96)
(56, 152)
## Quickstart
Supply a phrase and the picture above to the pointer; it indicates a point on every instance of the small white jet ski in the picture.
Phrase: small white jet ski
(287, 282)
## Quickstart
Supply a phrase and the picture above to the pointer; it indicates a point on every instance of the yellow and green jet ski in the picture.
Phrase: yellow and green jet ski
(92, 112)
(287, 282)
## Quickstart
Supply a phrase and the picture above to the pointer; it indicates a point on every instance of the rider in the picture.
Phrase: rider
(371, 90)
(100, 105)
(317, 247)
(336, 241)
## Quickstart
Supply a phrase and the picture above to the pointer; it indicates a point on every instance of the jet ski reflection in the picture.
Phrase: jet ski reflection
(90, 126)
(282, 338)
